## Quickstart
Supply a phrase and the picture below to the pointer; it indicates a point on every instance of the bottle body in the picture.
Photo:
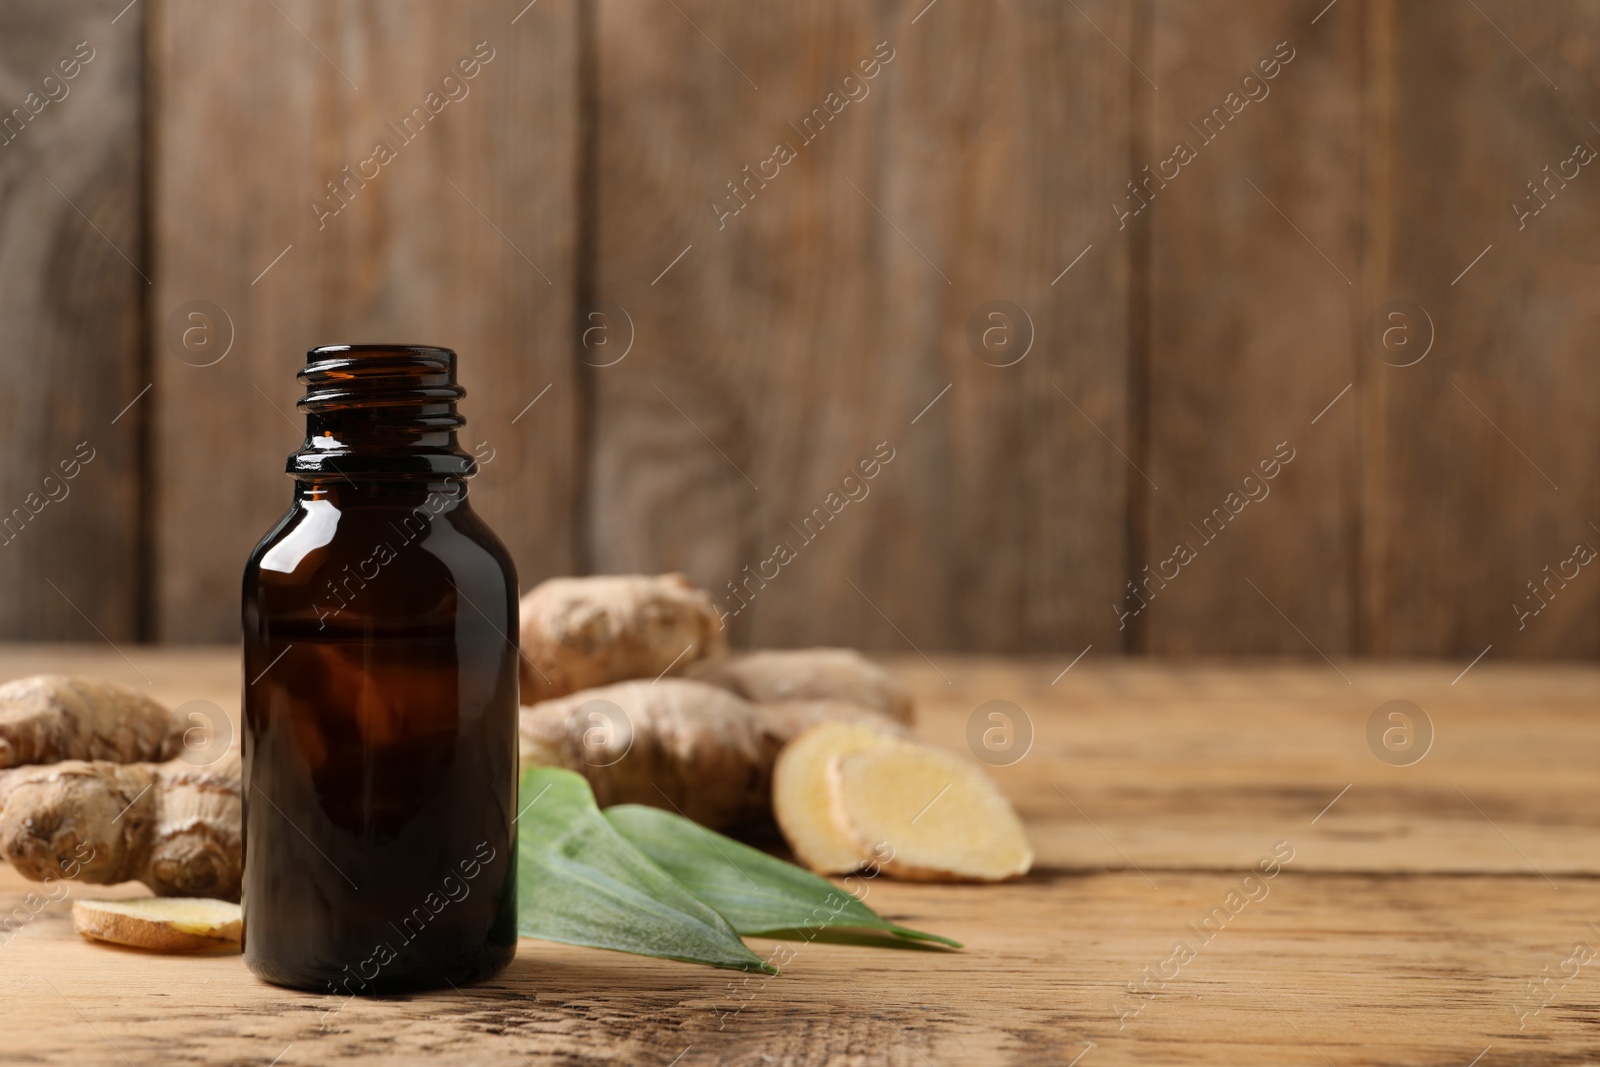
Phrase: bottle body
(380, 720)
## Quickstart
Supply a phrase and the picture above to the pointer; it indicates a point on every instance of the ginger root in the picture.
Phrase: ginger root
(52, 717)
(578, 633)
(597, 655)
(841, 675)
(174, 826)
(802, 802)
(162, 924)
(940, 817)
(674, 743)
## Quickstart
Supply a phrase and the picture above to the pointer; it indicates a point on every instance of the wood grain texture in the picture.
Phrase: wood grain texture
(71, 254)
(605, 187)
(1482, 455)
(259, 108)
(831, 313)
(1405, 929)
(1324, 969)
(1255, 246)
(1183, 767)
(1191, 767)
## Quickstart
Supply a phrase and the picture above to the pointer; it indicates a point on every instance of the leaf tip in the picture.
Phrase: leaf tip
(908, 934)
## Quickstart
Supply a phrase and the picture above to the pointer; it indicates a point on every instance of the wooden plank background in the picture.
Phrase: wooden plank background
(828, 313)
(439, 248)
(75, 278)
(1483, 466)
(1249, 334)
(706, 377)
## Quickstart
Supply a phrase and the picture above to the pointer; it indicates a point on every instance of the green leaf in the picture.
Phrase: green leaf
(580, 882)
(757, 893)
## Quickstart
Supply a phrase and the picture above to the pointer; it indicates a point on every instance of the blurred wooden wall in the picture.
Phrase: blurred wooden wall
(164, 270)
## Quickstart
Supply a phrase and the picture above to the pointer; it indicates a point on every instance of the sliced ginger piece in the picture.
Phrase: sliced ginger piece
(939, 814)
(801, 799)
(162, 924)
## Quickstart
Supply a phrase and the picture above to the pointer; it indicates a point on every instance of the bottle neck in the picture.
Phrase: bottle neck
(380, 412)
(403, 493)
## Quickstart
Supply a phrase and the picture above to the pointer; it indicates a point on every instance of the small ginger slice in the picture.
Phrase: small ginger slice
(802, 801)
(161, 924)
(937, 816)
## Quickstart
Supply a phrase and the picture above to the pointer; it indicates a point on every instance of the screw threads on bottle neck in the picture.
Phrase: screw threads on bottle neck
(380, 411)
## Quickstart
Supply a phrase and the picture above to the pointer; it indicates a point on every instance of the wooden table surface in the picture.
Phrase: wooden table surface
(1438, 913)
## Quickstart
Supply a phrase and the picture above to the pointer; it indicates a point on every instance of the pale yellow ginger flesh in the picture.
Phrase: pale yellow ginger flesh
(161, 924)
(578, 633)
(935, 816)
(801, 801)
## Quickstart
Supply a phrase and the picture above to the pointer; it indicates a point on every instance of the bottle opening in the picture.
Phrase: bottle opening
(343, 377)
(380, 410)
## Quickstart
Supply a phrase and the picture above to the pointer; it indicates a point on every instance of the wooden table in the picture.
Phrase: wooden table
(1421, 903)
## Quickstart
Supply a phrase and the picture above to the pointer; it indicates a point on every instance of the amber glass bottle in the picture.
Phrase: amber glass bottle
(380, 695)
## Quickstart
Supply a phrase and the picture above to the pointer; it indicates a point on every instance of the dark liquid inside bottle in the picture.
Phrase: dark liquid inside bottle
(380, 697)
